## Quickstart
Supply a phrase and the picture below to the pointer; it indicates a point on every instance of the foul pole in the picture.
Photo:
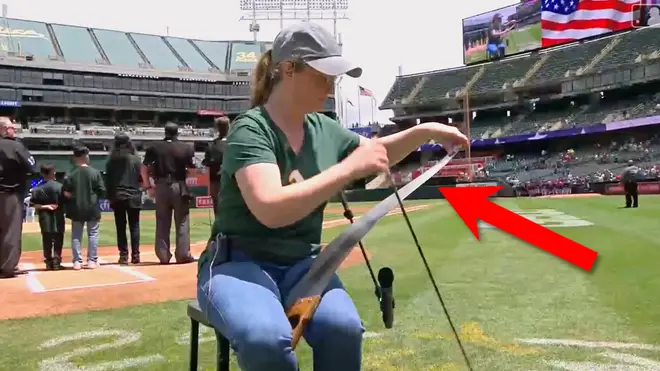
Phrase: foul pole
(467, 120)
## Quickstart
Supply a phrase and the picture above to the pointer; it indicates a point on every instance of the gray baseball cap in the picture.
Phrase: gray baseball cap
(315, 46)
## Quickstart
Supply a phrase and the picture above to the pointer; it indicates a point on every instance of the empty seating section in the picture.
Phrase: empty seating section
(76, 44)
(632, 44)
(489, 127)
(619, 110)
(570, 58)
(27, 37)
(118, 48)
(268, 46)
(157, 52)
(441, 83)
(403, 86)
(216, 51)
(189, 54)
(498, 73)
(244, 56)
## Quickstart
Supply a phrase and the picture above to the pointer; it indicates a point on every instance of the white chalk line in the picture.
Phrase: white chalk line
(337, 222)
(95, 285)
(128, 270)
(589, 344)
(31, 281)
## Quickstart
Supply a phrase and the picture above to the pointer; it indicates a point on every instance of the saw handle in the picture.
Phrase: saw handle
(299, 316)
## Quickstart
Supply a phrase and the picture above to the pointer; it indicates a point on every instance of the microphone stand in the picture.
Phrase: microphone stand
(348, 214)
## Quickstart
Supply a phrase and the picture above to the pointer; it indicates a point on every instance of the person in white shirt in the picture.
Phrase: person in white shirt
(29, 210)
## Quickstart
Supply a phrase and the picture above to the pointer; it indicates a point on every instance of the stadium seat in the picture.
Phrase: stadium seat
(222, 354)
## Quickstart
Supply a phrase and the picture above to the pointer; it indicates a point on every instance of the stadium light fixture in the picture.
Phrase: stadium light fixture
(281, 10)
(277, 5)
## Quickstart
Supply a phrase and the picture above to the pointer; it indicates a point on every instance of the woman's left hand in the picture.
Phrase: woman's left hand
(449, 137)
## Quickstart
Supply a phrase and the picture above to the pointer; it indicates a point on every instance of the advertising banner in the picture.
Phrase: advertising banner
(203, 202)
(647, 188)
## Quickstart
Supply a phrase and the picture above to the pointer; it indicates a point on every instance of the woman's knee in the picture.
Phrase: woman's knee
(336, 321)
(265, 343)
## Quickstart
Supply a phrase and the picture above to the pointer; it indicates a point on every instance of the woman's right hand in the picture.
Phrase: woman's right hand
(368, 159)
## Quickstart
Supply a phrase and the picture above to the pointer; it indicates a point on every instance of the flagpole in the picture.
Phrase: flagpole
(339, 105)
(373, 103)
(359, 108)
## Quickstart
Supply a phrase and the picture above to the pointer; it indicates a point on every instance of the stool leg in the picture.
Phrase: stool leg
(222, 352)
(194, 344)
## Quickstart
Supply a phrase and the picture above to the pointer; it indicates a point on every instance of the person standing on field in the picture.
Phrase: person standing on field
(123, 182)
(83, 188)
(47, 198)
(213, 159)
(630, 184)
(168, 161)
(16, 164)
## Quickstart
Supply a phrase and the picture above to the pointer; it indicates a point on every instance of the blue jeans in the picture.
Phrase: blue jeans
(243, 300)
(92, 236)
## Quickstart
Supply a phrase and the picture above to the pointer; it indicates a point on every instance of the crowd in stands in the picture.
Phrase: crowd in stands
(563, 171)
(92, 129)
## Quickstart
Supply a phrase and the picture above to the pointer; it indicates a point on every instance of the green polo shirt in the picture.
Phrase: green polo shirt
(254, 138)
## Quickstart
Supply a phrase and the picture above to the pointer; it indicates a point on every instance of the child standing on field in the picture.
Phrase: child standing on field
(47, 199)
(82, 188)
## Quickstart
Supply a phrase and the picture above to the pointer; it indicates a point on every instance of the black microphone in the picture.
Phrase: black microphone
(385, 280)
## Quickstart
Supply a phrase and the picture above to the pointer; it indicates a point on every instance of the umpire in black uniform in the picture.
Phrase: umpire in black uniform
(213, 159)
(168, 162)
(16, 164)
(629, 180)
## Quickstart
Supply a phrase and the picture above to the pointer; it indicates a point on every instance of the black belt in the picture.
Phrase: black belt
(223, 245)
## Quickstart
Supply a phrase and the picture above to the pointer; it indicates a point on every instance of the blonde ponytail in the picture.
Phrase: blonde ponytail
(262, 80)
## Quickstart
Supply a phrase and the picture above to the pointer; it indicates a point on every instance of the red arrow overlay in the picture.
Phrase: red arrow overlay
(471, 203)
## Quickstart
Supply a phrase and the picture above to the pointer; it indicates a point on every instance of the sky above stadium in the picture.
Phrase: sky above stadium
(419, 35)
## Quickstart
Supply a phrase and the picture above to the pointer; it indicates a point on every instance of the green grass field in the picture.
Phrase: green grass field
(500, 292)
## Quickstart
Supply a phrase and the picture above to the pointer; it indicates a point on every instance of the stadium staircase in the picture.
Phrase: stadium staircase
(415, 90)
(603, 53)
(532, 71)
(466, 89)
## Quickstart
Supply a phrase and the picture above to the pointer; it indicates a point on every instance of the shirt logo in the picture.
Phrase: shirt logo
(295, 177)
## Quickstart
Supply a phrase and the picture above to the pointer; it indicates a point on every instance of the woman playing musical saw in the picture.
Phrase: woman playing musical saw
(282, 163)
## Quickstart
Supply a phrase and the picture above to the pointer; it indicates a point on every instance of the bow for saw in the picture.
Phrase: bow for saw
(305, 296)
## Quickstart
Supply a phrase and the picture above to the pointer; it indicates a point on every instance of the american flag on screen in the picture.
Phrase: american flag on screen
(570, 20)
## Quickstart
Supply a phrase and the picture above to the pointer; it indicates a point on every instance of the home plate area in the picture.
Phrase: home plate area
(106, 275)
(549, 218)
(42, 292)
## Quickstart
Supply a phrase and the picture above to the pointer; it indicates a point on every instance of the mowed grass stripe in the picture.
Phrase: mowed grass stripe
(506, 287)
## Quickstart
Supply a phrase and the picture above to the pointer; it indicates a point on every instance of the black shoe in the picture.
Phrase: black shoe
(57, 265)
(49, 265)
(135, 259)
(186, 260)
(123, 260)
